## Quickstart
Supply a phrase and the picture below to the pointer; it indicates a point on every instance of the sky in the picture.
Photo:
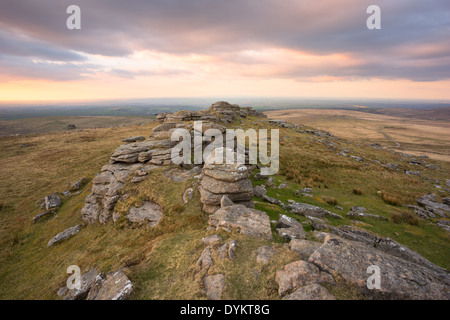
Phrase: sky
(203, 48)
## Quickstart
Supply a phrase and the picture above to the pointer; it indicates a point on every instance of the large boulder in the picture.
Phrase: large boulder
(311, 292)
(248, 221)
(400, 279)
(298, 274)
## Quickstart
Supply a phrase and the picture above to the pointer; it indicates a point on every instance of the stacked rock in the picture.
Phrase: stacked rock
(224, 179)
(137, 157)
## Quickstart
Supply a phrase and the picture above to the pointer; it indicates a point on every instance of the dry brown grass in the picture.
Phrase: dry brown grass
(405, 217)
(416, 135)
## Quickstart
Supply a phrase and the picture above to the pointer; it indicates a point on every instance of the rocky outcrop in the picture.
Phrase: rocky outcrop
(64, 235)
(264, 254)
(400, 279)
(218, 180)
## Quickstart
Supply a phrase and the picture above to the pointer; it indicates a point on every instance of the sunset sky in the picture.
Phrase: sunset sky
(201, 48)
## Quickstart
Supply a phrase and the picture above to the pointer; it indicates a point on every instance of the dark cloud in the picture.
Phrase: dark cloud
(218, 27)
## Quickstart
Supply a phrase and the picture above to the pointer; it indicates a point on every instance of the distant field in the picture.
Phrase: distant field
(419, 132)
(51, 124)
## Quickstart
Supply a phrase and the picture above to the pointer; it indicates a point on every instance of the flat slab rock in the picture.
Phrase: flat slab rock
(400, 279)
(248, 221)
(264, 254)
(64, 235)
(305, 209)
(149, 212)
(115, 286)
(298, 274)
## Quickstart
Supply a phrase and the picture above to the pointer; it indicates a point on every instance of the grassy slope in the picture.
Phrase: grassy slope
(161, 261)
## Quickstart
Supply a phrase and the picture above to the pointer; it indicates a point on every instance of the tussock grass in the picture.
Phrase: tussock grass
(405, 217)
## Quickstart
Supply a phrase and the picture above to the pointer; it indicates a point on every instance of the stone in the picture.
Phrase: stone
(311, 292)
(115, 286)
(222, 252)
(211, 240)
(310, 210)
(214, 285)
(431, 203)
(149, 212)
(188, 194)
(358, 212)
(304, 248)
(64, 235)
(205, 261)
(78, 185)
(129, 153)
(90, 210)
(264, 254)
(273, 200)
(225, 187)
(42, 215)
(232, 249)
(86, 281)
(446, 201)
(248, 221)
(259, 191)
(219, 180)
(134, 139)
(400, 279)
(298, 274)
(181, 175)
(306, 190)
(289, 228)
(51, 201)
(315, 219)
(226, 202)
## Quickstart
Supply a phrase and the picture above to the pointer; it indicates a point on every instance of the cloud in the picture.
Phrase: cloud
(412, 43)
